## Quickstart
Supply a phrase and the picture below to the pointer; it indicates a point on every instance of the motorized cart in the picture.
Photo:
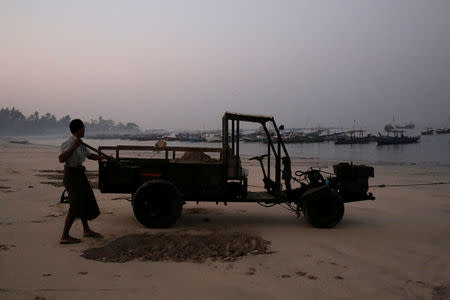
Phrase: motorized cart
(160, 186)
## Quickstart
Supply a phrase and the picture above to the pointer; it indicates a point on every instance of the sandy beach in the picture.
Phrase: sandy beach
(396, 247)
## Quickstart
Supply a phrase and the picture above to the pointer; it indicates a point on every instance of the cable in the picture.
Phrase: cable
(410, 184)
(288, 208)
(267, 205)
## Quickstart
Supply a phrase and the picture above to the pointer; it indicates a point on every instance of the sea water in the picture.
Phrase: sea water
(432, 150)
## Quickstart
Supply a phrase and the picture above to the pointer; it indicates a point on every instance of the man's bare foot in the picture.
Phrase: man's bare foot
(69, 240)
(93, 234)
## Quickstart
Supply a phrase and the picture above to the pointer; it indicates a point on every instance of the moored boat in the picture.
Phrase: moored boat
(213, 138)
(18, 141)
(397, 138)
(353, 137)
(428, 131)
(190, 137)
(442, 130)
(409, 125)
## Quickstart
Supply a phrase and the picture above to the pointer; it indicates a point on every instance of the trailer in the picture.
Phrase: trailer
(160, 186)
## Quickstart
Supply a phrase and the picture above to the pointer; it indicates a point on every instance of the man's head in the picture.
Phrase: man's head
(77, 127)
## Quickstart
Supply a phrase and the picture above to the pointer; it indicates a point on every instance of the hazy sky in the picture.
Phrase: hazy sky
(181, 64)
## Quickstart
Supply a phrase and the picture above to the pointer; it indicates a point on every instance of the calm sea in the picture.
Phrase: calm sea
(431, 150)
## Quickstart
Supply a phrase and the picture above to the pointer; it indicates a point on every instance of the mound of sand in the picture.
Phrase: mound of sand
(179, 247)
(197, 156)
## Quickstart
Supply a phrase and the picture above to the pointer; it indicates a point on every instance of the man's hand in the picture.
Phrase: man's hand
(106, 158)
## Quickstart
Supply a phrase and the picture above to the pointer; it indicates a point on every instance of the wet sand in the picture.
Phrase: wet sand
(396, 247)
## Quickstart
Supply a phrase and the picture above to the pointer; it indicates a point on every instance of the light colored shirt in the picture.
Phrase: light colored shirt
(78, 155)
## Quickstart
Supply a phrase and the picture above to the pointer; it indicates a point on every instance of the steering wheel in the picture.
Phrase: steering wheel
(260, 158)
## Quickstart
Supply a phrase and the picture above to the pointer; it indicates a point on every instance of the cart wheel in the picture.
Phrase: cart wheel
(157, 204)
(324, 208)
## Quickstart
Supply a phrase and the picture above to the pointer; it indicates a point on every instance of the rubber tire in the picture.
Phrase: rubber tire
(157, 204)
(325, 211)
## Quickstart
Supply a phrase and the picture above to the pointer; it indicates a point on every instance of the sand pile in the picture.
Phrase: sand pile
(197, 156)
(161, 144)
(179, 247)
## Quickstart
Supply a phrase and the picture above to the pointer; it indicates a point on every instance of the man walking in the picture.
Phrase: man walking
(83, 204)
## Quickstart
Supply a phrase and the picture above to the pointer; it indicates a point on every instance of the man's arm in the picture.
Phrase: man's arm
(66, 154)
(93, 156)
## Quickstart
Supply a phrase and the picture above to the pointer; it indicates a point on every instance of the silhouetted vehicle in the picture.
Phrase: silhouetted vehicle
(160, 186)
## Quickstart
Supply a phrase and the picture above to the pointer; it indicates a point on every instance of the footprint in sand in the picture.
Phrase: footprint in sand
(303, 274)
(6, 247)
(6, 189)
(6, 223)
(251, 271)
(54, 215)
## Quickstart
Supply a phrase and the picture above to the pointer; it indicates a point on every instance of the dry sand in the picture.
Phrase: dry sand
(397, 247)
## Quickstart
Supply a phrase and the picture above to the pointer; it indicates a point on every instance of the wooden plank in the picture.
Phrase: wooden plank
(169, 148)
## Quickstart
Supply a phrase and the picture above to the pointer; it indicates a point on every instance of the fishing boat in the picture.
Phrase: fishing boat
(355, 136)
(256, 136)
(170, 137)
(190, 137)
(254, 139)
(442, 130)
(395, 125)
(334, 135)
(396, 138)
(18, 141)
(298, 137)
(213, 137)
(303, 139)
(146, 137)
(409, 125)
(428, 131)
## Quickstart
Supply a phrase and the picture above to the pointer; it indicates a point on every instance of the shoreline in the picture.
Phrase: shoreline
(296, 159)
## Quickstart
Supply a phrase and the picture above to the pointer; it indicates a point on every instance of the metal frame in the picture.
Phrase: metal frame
(277, 152)
(166, 149)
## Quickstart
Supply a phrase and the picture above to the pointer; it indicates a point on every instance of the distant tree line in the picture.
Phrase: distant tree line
(13, 121)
